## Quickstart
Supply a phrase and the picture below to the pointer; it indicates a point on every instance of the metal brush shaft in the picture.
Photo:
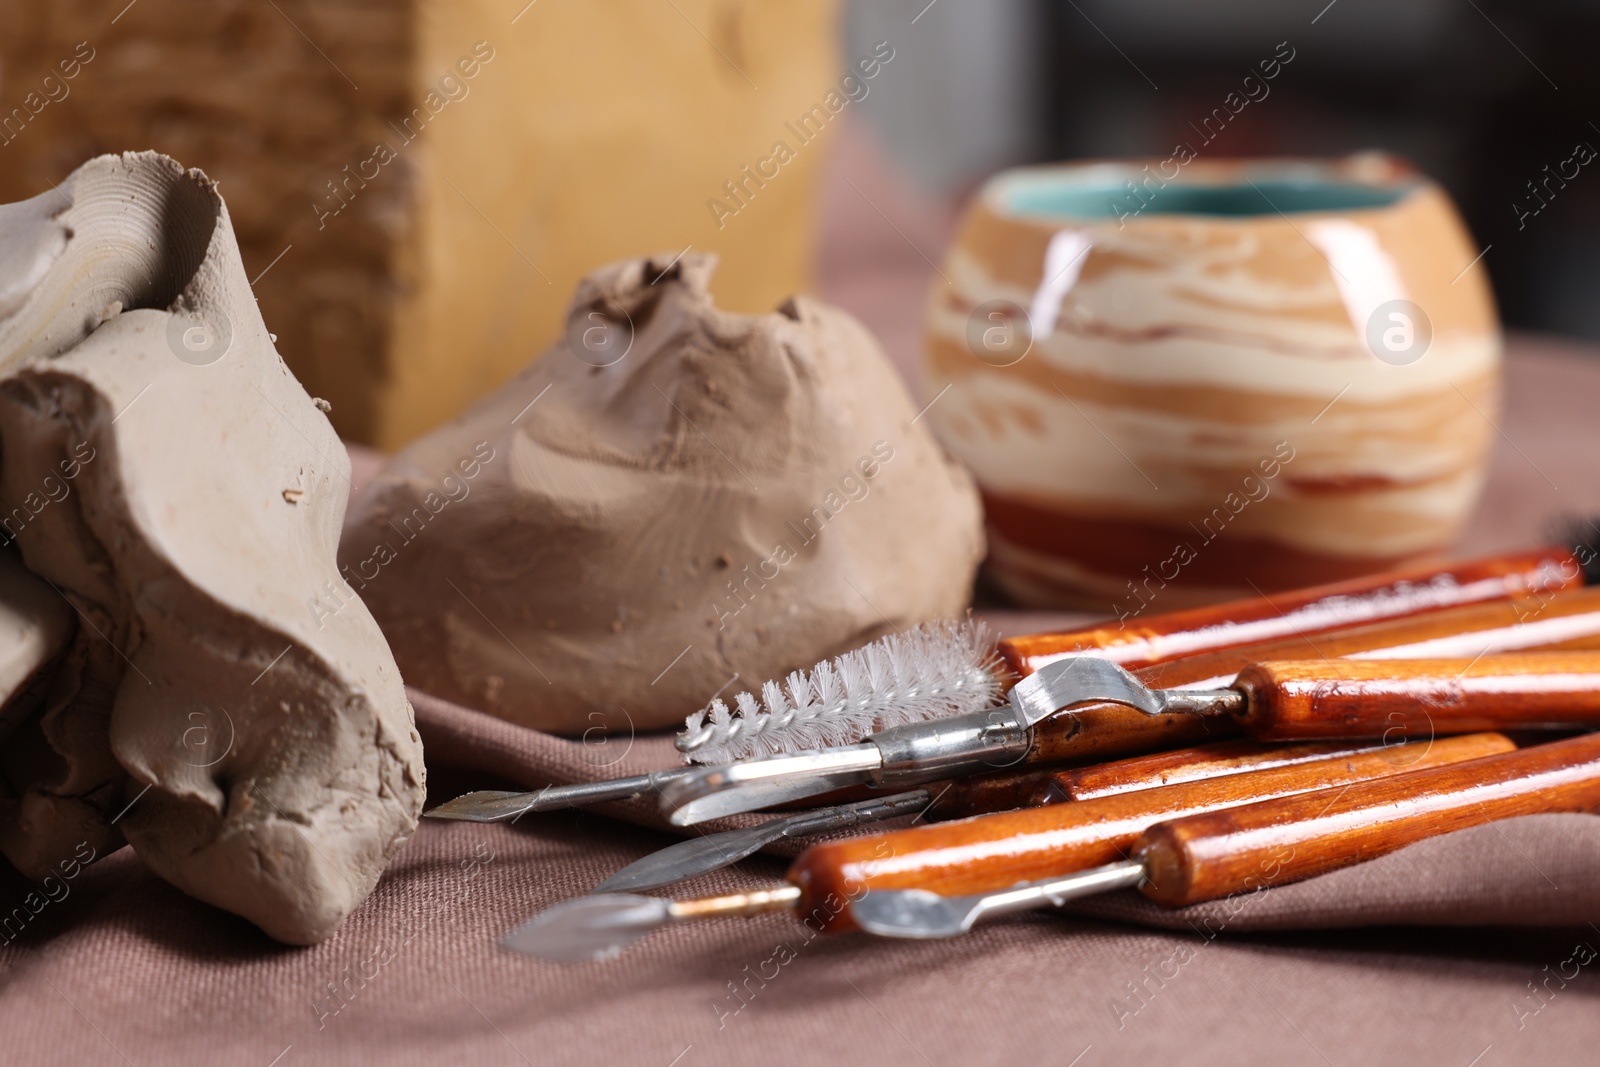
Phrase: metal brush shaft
(917, 753)
(906, 755)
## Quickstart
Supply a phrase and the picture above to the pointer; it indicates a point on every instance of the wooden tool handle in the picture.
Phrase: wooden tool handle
(1415, 699)
(984, 794)
(1106, 731)
(1150, 639)
(996, 851)
(1243, 849)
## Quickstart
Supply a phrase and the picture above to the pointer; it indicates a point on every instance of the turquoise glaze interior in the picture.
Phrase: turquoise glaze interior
(1085, 197)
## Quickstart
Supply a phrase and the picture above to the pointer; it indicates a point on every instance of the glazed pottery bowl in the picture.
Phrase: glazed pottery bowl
(1180, 382)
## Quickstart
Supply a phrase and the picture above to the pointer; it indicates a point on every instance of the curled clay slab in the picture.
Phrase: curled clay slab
(671, 497)
(161, 467)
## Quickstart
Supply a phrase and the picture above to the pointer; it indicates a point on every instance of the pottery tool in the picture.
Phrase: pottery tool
(1302, 699)
(806, 715)
(1109, 730)
(980, 855)
(1538, 574)
(1244, 849)
(977, 795)
(1570, 562)
(1347, 705)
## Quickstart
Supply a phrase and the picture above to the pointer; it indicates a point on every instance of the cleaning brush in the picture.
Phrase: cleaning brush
(946, 669)
(934, 671)
(937, 670)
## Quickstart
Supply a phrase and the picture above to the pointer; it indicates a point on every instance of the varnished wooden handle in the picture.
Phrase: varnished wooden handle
(984, 794)
(1106, 731)
(996, 851)
(1156, 638)
(1413, 699)
(1243, 849)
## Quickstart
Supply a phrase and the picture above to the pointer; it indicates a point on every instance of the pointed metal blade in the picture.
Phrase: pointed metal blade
(715, 851)
(486, 805)
(495, 805)
(589, 928)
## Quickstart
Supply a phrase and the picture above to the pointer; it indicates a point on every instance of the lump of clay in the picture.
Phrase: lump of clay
(670, 498)
(161, 468)
(36, 627)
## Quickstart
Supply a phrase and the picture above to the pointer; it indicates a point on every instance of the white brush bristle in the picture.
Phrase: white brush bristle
(931, 672)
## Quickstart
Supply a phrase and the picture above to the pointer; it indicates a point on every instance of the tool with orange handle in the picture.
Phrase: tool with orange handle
(1300, 699)
(976, 795)
(1244, 849)
(985, 854)
(809, 710)
(1114, 713)
(1108, 731)
(1536, 574)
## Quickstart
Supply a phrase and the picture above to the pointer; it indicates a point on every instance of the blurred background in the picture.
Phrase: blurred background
(417, 187)
(1480, 94)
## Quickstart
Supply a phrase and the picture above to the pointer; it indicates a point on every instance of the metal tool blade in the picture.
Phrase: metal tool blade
(1083, 679)
(485, 805)
(750, 785)
(599, 927)
(913, 913)
(589, 928)
(686, 859)
(917, 913)
(494, 805)
(712, 852)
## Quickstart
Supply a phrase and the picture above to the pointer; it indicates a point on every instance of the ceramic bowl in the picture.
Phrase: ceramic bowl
(1180, 382)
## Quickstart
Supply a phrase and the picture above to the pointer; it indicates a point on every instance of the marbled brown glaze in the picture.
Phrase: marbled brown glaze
(1175, 351)
(996, 851)
(1244, 849)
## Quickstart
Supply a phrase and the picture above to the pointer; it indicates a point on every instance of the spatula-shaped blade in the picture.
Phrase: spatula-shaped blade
(917, 913)
(914, 913)
(589, 928)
